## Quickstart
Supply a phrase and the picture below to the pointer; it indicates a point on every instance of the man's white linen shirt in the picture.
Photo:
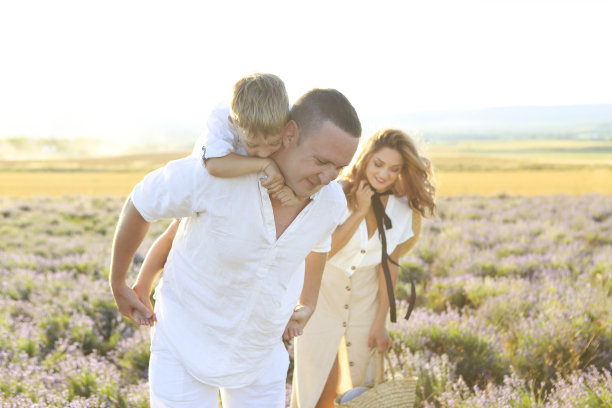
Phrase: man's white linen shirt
(229, 286)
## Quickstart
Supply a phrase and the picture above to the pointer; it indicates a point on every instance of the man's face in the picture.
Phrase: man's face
(317, 160)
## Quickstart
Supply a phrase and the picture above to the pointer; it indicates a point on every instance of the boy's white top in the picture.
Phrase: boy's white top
(361, 251)
(219, 136)
(229, 286)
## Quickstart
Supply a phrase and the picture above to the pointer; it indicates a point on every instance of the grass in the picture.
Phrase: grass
(514, 305)
(526, 183)
(23, 184)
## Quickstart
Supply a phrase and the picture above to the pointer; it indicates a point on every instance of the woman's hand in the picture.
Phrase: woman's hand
(363, 197)
(379, 337)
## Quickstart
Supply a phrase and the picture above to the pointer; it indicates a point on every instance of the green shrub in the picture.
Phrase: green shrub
(83, 384)
(475, 357)
(53, 328)
(135, 361)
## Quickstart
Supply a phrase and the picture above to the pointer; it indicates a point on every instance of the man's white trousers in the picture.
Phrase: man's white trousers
(173, 387)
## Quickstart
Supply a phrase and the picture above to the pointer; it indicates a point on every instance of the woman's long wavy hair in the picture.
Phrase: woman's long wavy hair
(415, 180)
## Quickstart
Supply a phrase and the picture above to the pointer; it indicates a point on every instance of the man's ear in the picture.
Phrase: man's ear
(291, 134)
(229, 118)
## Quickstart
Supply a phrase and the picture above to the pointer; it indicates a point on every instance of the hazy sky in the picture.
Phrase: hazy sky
(117, 67)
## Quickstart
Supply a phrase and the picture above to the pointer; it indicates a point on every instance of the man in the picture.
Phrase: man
(235, 271)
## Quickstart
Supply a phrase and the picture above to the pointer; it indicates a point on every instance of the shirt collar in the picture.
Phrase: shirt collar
(317, 194)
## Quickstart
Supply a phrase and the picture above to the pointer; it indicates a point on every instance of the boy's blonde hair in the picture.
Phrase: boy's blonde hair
(260, 104)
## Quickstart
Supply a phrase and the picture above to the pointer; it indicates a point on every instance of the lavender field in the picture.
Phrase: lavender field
(514, 305)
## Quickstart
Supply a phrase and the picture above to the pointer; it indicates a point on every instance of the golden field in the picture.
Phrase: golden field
(529, 167)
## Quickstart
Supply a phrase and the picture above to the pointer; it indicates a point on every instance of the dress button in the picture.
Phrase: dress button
(348, 344)
(363, 251)
(348, 288)
(343, 324)
(346, 306)
(351, 363)
(353, 267)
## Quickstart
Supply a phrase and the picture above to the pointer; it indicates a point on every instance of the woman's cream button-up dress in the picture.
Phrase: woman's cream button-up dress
(346, 308)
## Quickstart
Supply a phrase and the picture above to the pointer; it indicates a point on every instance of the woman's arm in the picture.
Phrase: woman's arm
(345, 231)
(130, 232)
(406, 246)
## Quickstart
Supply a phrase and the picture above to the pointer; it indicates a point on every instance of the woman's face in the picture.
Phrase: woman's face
(382, 169)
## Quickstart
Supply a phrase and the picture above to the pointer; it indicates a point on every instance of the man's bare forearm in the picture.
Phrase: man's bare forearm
(130, 232)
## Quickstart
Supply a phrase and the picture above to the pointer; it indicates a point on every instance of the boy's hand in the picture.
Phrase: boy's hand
(295, 327)
(286, 196)
(292, 330)
(145, 319)
(274, 180)
(142, 319)
(129, 303)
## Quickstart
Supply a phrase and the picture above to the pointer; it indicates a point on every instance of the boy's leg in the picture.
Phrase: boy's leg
(172, 386)
(268, 391)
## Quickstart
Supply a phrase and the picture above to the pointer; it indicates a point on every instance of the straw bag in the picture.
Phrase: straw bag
(397, 392)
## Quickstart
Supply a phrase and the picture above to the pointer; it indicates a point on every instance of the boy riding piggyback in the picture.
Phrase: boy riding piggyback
(238, 140)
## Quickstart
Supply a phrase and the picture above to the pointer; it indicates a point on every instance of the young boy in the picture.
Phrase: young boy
(258, 114)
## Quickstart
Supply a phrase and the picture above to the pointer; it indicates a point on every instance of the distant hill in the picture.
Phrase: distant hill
(574, 121)
(582, 122)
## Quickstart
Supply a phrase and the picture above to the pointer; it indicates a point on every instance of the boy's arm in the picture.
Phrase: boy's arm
(313, 272)
(130, 232)
(151, 268)
(235, 165)
(155, 259)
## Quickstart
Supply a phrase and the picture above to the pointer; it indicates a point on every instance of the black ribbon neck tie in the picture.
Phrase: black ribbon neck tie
(384, 222)
(379, 210)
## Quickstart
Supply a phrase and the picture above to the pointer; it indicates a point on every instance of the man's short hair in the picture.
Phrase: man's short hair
(319, 105)
(260, 104)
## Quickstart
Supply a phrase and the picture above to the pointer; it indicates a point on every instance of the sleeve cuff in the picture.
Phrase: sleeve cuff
(136, 200)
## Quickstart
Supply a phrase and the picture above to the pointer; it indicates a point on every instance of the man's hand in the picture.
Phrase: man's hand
(299, 318)
(274, 180)
(130, 232)
(287, 197)
(128, 304)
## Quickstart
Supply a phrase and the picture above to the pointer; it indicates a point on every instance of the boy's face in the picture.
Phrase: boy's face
(259, 145)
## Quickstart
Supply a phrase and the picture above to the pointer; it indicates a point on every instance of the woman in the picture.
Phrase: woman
(352, 308)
